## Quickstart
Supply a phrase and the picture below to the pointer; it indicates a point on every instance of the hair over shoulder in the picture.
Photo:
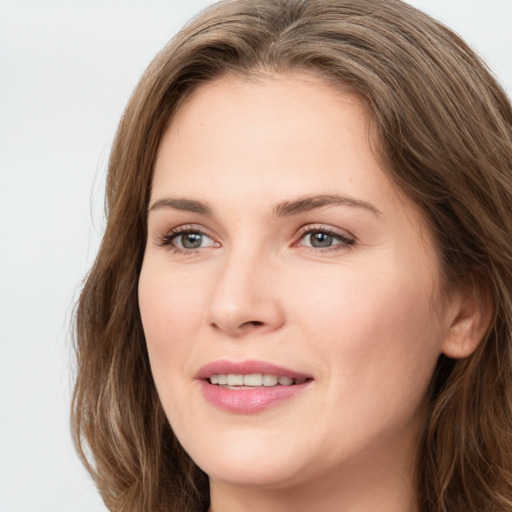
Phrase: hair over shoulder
(442, 127)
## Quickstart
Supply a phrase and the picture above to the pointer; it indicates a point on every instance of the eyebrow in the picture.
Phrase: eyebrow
(187, 205)
(284, 209)
(307, 203)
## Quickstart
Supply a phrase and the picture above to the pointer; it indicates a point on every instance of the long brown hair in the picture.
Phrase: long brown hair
(442, 127)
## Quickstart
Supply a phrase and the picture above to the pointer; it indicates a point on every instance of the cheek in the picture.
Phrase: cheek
(171, 312)
(170, 307)
(365, 301)
(377, 332)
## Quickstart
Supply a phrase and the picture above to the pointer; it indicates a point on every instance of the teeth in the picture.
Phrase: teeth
(235, 380)
(253, 380)
(269, 380)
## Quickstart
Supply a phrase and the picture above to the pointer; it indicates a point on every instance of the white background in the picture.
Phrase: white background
(67, 69)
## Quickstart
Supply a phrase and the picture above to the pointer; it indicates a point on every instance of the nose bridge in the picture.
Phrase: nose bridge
(242, 298)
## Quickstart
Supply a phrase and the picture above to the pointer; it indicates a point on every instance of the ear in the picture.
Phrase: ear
(473, 310)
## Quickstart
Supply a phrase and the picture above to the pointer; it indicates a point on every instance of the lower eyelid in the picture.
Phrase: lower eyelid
(335, 247)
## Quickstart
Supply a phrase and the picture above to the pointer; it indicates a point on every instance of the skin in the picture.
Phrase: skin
(365, 319)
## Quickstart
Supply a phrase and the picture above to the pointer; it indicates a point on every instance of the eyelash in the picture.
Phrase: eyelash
(344, 241)
(167, 239)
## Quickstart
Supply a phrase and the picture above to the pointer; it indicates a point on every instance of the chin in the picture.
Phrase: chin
(256, 473)
(250, 461)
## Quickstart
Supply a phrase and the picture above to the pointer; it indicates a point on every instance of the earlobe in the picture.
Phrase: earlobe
(473, 312)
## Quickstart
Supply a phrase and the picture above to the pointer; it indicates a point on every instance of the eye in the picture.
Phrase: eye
(191, 240)
(183, 239)
(321, 238)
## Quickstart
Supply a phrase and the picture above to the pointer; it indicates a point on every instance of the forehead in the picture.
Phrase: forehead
(295, 127)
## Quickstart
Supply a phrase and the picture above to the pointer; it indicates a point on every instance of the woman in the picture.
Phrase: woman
(302, 300)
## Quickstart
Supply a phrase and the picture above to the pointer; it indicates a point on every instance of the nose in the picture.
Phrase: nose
(245, 297)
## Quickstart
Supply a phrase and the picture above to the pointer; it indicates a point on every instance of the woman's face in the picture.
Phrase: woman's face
(288, 292)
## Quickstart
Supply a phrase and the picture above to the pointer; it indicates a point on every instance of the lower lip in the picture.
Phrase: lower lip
(247, 401)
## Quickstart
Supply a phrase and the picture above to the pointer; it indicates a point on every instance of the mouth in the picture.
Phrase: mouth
(249, 386)
(253, 380)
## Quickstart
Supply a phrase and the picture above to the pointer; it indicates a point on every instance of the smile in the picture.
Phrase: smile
(253, 380)
(251, 386)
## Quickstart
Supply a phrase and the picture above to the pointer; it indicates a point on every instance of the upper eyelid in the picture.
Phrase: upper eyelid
(308, 228)
(185, 228)
(190, 228)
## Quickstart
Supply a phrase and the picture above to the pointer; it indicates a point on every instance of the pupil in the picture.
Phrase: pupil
(191, 240)
(321, 240)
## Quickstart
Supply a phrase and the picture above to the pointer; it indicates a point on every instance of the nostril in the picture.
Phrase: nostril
(253, 322)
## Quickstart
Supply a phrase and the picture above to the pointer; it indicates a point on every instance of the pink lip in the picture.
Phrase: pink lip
(247, 401)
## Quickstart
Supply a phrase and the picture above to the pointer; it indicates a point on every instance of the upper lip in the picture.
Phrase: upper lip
(250, 366)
